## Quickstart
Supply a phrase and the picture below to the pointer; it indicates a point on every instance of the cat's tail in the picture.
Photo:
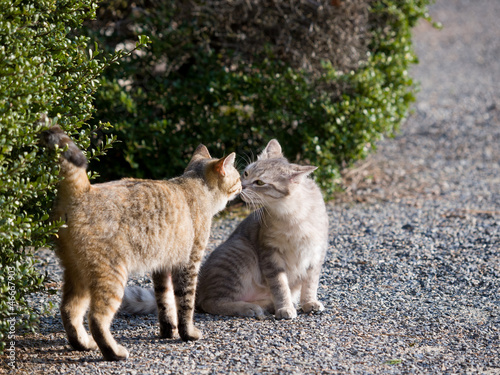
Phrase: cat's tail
(137, 300)
(73, 162)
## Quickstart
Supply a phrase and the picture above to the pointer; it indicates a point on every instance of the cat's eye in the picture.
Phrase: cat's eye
(259, 182)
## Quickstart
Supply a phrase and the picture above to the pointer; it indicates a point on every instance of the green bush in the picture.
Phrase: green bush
(45, 69)
(232, 75)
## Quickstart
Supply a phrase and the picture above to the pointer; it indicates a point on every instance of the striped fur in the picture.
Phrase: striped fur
(139, 301)
(125, 226)
(273, 259)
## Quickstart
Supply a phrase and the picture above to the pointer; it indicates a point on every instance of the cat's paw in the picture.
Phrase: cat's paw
(83, 344)
(286, 313)
(119, 354)
(167, 331)
(313, 307)
(91, 344)
(254, 311)
(190, 334)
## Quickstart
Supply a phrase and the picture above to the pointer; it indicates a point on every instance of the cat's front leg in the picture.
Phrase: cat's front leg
(276, 277)
(184, 280)
(308, 294)
(165, 300)
(283, 297)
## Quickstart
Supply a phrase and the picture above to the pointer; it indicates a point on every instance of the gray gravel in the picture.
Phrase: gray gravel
(411, 282)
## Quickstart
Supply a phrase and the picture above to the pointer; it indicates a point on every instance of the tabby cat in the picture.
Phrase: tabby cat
(115, 228)
(274, 258)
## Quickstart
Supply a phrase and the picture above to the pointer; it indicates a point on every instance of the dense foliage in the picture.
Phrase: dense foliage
(327, 81)
(45, 69)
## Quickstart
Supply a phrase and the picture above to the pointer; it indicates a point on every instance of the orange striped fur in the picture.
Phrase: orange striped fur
(130, 225)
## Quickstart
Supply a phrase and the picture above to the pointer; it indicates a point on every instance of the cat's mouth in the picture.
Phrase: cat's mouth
(235, 191)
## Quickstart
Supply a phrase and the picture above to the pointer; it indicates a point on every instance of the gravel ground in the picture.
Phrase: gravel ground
(411, 283)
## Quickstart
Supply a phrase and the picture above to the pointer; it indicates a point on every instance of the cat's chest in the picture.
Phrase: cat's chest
(296, 247)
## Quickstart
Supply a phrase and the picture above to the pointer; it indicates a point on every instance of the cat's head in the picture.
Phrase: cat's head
(272, 177)
(219, 174)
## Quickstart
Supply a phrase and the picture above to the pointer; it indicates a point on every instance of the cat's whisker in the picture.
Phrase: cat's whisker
(247, 160)
(260, 212)
(239, 160)
(251, 158)
(262, 204)
(257, 204)
(262, 217)
(254, 200)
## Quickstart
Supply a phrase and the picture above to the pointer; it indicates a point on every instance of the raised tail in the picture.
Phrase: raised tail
(73, 161)
(137, 300)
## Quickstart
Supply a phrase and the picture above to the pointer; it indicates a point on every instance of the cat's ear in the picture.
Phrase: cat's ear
(201, 152)
(224, 164)
(272, 151)
(301, 172)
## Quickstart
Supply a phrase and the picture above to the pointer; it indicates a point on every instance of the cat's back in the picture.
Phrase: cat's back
(142, 194)
(130, 198)
(134, 208)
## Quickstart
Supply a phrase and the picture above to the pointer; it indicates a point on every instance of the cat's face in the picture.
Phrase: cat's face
(219, 174)
(271, 177)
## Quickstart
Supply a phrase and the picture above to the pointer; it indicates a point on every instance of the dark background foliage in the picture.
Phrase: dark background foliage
(326, 80)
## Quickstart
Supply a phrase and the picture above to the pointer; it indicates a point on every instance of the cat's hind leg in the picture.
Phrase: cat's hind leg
(165, 300)
(184, 281)
(106, 296)
(74, 304)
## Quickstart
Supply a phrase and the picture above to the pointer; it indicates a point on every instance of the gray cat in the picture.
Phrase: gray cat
(274, 258)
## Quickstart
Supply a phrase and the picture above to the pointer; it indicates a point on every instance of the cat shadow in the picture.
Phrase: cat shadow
(52, 351)
(56, 350)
